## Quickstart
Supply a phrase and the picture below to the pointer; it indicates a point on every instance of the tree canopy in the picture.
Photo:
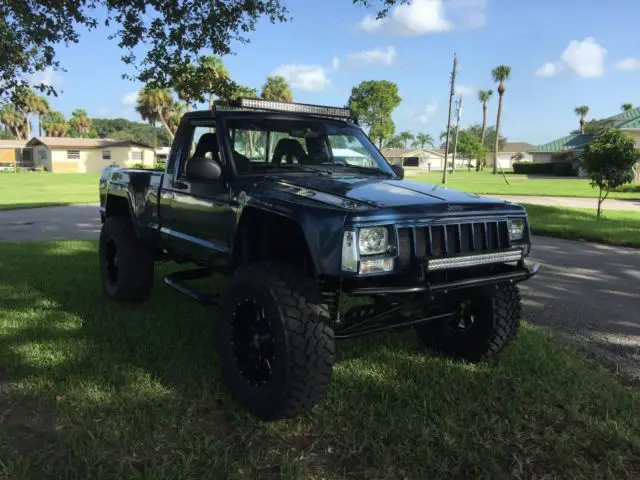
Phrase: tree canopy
(277, 88)
(609, 162)
(373, 102)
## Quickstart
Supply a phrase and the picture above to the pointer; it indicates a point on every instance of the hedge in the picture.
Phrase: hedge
(560, 169)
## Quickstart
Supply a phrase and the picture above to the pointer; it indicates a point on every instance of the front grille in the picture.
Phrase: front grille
(441, 241)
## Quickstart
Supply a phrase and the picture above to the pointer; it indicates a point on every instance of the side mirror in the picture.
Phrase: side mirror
(398, 170)
(203, 169)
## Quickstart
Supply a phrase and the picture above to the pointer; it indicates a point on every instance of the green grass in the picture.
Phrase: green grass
(614, 227)
(41, 189)
(91, 389)
(488, 184)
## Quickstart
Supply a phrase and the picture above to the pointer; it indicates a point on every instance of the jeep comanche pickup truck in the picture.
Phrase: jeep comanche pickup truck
(302, 212)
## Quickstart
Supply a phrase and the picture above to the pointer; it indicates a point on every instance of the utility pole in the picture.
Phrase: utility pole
(446, 147)
(455, 142)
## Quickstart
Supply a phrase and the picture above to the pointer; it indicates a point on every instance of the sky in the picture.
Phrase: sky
(562, 54)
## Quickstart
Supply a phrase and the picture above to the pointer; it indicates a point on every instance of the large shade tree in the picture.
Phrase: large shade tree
(373, 102)
(500, 74)
(423, 139)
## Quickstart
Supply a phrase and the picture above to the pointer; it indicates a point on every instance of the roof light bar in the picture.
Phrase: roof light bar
(276, 106)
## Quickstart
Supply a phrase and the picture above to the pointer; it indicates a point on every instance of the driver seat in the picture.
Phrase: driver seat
(290, 149)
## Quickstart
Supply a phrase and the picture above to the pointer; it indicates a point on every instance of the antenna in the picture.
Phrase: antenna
(446, 147)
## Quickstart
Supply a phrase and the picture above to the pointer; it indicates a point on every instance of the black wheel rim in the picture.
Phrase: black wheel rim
(465, 319)
(253, 343)
(111, 261)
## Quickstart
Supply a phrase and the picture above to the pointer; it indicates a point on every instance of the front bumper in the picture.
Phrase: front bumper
(523, 271)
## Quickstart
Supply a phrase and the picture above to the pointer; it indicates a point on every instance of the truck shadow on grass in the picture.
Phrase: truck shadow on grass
(103, 390)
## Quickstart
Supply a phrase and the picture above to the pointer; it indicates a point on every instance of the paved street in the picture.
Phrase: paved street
(573, 202)
(588, 291)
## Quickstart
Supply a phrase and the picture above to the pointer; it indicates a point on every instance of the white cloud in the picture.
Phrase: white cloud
(129, 98)
(377, 56)
(422, 17)
(305, 77)
(48, 77)
(585, 58)
(628, 64)
(428, 111)
(465, 90)
(549, 69)
(335, 63)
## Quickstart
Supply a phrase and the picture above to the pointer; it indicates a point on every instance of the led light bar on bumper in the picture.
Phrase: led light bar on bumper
(261, 104)
(513, 255)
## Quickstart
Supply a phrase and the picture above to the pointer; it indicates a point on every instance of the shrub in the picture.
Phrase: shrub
(560, 169)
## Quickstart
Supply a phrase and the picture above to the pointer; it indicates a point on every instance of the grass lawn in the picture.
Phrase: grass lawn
(91, 389)
(487, 183)
(40, 189)
(614, 227)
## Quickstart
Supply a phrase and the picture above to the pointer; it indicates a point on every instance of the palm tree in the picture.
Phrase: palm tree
(423, 139)
(500, 74)
(626, 107)
(212, 76)
(405, 137)
(582, 110)
(276, 88)
(176, 114)
(12, 119)
(42, 108)
(156, 103)
(484, 96)
(54, 124)
(27, 103)
(80, 122)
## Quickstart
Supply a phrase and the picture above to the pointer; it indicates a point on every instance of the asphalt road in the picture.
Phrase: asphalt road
(588, 292)
(574, 202)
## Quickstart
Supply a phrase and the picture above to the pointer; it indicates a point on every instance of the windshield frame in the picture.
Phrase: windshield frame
(383, 166)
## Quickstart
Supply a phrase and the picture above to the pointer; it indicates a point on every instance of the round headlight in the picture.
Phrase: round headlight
(516, 228)
(373, 240)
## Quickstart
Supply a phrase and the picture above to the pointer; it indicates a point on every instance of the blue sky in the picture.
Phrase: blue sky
(562, 53)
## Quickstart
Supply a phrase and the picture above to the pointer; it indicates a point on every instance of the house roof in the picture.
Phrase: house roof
(408, 152)
(570, 142)
(631, 125)
(13, 143)
(71, 142)
(632, 114)
(516, 147)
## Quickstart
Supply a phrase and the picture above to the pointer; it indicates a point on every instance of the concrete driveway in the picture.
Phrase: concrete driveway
(573, 202)
(586, 291)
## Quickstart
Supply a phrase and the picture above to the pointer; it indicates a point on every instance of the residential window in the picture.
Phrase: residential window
(73, 154)
(136, 156)
(106, 154)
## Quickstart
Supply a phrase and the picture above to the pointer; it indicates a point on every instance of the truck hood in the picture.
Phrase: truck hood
(385, 192)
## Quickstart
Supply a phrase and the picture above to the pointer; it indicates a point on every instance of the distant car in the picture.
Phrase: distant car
(255, 190)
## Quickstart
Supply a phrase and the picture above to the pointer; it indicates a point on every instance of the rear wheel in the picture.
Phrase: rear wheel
(126, 266)
(276, 347)
(483, 326)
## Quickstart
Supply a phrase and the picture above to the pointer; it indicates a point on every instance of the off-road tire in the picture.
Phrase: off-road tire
(497, 323)
(302, 342)
(134, 276)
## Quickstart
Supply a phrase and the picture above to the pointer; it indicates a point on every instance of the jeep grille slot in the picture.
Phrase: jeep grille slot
(437, 241)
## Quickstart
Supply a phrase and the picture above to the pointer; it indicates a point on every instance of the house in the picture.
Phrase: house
(14, 153)
(428, 159)
(352, 157)
(82, 155)
(510, 152)
(628, 122)
(546, 153)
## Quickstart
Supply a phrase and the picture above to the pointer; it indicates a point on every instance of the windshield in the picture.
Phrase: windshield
(262, 145)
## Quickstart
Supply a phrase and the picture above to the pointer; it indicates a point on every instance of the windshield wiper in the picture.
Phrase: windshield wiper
(305, 168)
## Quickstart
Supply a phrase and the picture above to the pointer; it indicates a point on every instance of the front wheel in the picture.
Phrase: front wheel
(275, 344)
(483, 326)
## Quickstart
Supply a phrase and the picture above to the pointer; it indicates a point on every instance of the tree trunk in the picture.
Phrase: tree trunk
(39, 124)
(211, 101)
(28, 125)
(495, 147)
(582, 125)
(599, 203)
(380, 142)
(166, 126)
